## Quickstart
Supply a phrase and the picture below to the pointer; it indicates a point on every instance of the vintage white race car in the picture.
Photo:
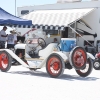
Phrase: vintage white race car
(36, 54)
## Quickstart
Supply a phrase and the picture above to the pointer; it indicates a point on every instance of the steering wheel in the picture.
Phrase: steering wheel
(41, 42)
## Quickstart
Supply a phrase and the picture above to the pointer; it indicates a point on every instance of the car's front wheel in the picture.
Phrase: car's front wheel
(55, 65)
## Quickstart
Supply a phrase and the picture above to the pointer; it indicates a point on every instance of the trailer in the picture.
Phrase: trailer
(87, 25)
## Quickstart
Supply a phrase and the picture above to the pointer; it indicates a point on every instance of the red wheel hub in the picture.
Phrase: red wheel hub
(54, 65)
(3, 60)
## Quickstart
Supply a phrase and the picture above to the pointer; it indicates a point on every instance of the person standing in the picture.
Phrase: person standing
(3, 37)
(11, 39)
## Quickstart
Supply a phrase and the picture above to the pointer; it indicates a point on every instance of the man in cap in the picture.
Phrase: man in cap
(11, 39)
(3, 37)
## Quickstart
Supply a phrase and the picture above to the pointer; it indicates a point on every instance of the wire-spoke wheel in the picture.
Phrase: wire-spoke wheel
(5, 61)
(87, 70)
(55, 65)
(79, 58)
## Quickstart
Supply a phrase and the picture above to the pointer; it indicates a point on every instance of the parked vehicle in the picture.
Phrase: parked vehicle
(56, 57)
(96, 63)
(86, 25)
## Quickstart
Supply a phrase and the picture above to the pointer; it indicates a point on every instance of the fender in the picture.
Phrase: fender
(89, 55)
(13, 55)
(61, 54)
(64, 56)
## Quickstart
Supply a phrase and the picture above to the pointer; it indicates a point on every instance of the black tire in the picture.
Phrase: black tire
(55, 65)
(5, 61)
(96, 64)
(79, 58)
(84, 72)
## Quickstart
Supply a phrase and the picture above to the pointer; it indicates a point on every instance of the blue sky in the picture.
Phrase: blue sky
(9, 5)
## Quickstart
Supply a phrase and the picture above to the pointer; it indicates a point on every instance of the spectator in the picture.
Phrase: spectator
(3, 37)
(11, 39)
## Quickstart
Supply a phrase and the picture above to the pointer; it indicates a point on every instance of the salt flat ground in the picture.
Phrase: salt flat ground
(22, 84)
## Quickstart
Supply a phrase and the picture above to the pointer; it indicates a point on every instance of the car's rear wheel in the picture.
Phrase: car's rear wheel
(87, 70)
(5, 61)
(55, 65)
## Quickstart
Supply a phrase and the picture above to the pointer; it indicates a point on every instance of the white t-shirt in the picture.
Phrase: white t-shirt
(2, 32)
(11, 39)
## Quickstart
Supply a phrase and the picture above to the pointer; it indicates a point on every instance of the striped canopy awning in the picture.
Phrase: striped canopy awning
(56, 19)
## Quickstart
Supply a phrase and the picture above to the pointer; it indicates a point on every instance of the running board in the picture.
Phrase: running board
(13, 55)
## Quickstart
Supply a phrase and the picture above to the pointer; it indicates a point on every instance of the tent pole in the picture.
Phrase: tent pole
(15, 7)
